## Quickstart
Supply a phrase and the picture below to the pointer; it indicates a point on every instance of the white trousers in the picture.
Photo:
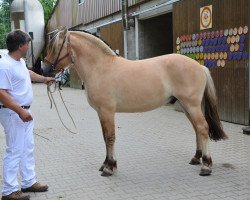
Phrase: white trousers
(19, 151)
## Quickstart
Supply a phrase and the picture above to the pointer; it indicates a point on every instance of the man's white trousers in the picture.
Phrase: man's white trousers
(19, 151)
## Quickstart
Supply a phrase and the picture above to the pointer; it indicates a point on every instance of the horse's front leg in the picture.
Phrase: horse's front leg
(108, 129)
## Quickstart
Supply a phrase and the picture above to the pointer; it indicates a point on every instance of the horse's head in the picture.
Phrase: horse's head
(57, 53)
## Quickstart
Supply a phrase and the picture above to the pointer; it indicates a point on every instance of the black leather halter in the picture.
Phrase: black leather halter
(53, 65)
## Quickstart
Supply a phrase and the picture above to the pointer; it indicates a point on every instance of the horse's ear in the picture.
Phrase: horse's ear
(61, 28)
(65, 31)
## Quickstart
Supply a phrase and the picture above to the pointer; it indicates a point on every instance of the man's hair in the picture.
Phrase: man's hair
(15, 39)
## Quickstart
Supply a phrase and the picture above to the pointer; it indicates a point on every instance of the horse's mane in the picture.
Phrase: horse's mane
(97, 41)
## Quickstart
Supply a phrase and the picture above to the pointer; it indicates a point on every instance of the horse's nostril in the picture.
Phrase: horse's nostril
(47, 70)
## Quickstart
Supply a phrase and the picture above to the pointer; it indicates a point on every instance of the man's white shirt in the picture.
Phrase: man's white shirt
(15, 78)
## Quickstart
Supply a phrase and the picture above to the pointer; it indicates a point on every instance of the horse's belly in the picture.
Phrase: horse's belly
(141, 96)
(139, 105)
(136, 109)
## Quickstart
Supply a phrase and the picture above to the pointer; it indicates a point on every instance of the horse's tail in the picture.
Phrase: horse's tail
(216, 131)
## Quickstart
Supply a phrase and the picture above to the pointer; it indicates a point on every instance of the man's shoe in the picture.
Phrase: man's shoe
(37, 187)
(18, 195)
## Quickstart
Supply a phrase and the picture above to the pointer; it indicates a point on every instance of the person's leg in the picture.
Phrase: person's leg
(27, 165)
(14, 129)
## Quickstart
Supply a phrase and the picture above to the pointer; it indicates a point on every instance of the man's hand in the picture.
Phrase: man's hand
(41, 79)
(49, 80)
(25, 115)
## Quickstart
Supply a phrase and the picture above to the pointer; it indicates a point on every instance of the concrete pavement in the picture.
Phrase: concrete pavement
(153, 150)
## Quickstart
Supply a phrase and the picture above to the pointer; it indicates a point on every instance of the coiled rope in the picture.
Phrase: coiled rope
(52, 101)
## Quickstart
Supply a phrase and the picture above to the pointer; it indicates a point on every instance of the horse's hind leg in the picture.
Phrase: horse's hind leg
(108, 129)
(198, 154)
(201, 129)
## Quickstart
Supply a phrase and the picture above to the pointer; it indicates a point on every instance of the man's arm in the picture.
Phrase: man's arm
(38, 78)
(9, 103)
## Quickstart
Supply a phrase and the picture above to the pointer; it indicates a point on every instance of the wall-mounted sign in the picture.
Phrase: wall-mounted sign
(206, 17)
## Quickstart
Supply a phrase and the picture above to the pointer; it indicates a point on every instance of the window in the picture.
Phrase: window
(81, 1)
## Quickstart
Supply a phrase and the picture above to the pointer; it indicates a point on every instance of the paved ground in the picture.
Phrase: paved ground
(153, 150)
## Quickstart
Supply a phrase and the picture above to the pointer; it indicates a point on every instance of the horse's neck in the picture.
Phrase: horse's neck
(89, 59)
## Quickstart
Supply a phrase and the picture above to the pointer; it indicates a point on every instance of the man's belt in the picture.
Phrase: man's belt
(24, 107)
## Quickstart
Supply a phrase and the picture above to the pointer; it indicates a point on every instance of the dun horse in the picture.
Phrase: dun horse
(114, 84)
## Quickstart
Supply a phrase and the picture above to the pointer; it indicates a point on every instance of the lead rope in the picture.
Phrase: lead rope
(52, 101)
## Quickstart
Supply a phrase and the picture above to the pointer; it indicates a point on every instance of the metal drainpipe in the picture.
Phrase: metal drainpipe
(124, 5)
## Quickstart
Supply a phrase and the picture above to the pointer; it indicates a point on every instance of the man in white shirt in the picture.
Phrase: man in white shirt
(15, 116)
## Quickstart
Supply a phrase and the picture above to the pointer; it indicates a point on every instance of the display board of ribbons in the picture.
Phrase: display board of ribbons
(215, 48)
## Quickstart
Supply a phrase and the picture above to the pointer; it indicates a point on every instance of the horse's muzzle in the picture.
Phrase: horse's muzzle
(48, 70)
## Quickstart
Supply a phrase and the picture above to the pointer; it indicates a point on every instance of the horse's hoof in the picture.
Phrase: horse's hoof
(107, 172)
(195, 161)
(205, 171)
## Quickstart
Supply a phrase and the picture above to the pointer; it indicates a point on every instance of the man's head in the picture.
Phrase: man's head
(18, 40)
